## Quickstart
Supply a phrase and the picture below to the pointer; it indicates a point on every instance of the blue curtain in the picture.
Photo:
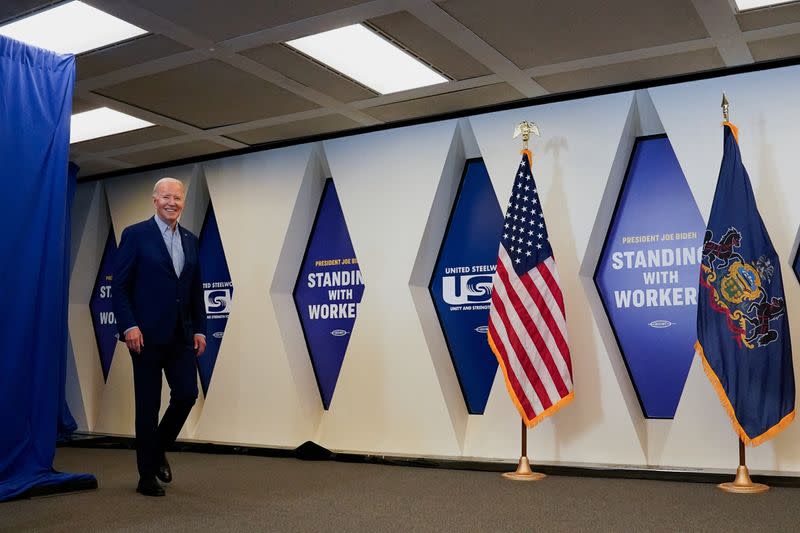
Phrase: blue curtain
(66, 422)
(36, 103)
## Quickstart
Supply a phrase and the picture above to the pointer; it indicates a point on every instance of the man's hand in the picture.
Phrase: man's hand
(134, 340)
(199, 344)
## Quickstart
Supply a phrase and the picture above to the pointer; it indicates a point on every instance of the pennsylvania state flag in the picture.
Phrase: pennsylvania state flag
(742, 326)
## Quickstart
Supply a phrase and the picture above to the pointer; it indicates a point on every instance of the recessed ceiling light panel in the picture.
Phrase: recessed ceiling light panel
(102, 122)
(368, 58)
(746, 5)
(70, 28)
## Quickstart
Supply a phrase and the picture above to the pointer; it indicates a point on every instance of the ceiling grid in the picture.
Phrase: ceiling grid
(215, 76)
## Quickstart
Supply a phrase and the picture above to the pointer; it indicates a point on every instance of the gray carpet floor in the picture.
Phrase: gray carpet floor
(214, 493)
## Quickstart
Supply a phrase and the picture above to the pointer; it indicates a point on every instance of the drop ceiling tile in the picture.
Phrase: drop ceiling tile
(779, 47)
(308, 72)
(92, 167)
(765, 18)
(11, 9)
(541, 33)
(208, 94)
(293, 130)
(429, 45)
(79, 105)
(445, 103)
(223, 20)
(126, 54)
(643, 69)
(171, 153)
(122, 140)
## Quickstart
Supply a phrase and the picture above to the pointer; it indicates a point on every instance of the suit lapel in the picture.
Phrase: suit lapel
(161, 245)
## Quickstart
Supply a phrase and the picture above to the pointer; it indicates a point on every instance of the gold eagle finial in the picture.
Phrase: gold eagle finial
(525, 129)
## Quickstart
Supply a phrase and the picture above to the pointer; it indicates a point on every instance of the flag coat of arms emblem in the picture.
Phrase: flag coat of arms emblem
(742, 325)
(527, 324)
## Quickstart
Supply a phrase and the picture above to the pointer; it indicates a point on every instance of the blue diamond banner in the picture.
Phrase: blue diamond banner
(101, 309)
(461, 284)
(328, 291)
(648, 275)
(217, 294)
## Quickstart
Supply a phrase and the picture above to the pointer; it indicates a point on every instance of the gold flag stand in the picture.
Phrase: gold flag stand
(523, 471)
(742, 484)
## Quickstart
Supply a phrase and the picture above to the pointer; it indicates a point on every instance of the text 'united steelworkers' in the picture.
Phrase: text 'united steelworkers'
(658, 261)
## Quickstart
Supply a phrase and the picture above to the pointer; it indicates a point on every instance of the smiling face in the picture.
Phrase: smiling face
(168, 199)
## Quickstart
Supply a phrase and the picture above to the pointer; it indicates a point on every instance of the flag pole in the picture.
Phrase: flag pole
(523, 471)
(742, 484)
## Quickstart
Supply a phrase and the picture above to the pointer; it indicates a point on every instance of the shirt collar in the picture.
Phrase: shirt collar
(162, 226)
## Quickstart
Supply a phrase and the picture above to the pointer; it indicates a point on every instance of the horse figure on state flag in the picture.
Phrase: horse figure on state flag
(766, 310)
(724, 250)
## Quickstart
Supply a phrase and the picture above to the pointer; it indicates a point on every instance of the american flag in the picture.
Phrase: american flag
(527, 325)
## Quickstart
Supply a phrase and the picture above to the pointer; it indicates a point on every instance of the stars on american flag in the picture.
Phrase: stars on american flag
(524, 233)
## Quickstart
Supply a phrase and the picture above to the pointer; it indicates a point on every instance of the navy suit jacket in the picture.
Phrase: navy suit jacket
(146, 291)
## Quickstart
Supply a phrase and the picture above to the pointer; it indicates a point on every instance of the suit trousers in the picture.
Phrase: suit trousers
(177, 360)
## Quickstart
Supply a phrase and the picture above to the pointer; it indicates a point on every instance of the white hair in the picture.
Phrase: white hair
(166, 180)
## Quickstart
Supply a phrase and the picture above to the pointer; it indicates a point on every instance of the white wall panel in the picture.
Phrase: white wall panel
(90, 227)
(259, 392)
(388, 397)
(462, 147)
(397, 392)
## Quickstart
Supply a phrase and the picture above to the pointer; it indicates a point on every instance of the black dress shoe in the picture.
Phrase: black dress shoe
(149, 487)
(164, 472)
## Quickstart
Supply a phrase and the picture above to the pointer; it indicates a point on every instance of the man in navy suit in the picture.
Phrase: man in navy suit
(160, 312)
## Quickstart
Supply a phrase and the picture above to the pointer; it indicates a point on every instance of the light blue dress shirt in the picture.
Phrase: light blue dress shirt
(172, 240)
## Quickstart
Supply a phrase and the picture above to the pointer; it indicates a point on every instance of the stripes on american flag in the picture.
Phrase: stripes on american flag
(527, 325)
